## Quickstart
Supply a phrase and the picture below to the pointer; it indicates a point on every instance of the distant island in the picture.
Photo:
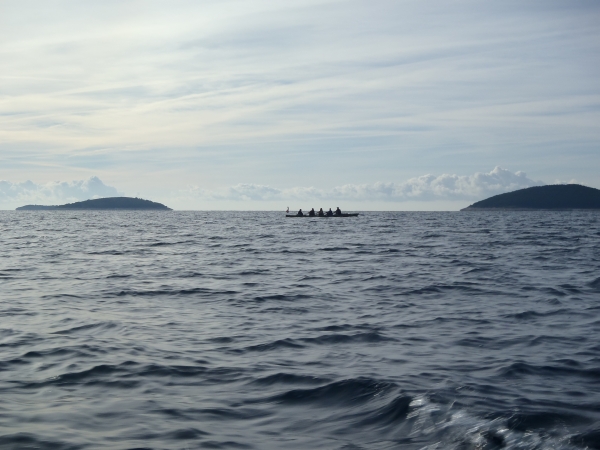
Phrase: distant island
(551, 197)
(127, 203)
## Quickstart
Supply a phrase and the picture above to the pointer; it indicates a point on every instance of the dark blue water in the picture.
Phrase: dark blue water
(225, 330)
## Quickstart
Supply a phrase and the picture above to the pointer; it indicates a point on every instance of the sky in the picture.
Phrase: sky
(260, 105)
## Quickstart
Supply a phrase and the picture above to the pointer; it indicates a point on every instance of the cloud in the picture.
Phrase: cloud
(423, 192)
(180, 87)
(54, 192)
(571, 181)
(423, 188)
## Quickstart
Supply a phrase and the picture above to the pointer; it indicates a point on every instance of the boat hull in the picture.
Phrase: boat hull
(322, 217)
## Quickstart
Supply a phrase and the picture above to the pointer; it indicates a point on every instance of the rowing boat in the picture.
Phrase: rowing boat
(338, 215)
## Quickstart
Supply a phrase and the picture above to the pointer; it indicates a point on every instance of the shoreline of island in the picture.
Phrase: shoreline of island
(102, 204)
(553, 197)
(469, 209)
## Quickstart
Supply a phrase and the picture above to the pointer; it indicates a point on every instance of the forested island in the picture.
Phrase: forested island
(550, 197)
(127, 203)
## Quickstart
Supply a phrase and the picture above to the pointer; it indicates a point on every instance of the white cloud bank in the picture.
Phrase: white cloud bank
(423, 188)
(52, 193)
(427, 189)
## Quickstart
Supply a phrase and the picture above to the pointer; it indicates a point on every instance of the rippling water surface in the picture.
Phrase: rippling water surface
(227, 330)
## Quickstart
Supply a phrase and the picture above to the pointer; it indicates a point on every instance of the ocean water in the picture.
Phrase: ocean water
(247, 330)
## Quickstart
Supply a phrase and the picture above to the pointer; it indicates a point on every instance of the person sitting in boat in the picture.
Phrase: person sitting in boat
(287, 211)
(300, 213)
(330, 212)
(321, 213)
(338, 211)
(311, 213)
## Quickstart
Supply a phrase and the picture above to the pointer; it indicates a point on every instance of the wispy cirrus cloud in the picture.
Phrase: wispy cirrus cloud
(382, 89)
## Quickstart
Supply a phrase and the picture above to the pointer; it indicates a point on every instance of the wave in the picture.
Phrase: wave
(519, 369)
(595, 283)
(329, 339)
(529, 421)
(18, 312)
(275, 345)
(31, 440)
(288, 378)
(281, 297)
(530, 315)
(204, 292)
(253, 272)
(130, 374)
(587, 439)
(344, 392)
(110, 252)
(186, 434)
(168, 244)
(94, 327)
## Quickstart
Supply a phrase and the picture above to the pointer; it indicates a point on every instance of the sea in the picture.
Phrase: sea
(250, 330)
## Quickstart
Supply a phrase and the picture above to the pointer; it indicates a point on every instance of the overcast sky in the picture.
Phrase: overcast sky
(261, 104)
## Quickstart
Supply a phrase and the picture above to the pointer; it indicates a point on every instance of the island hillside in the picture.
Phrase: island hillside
(553, 197)
(128, 203)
